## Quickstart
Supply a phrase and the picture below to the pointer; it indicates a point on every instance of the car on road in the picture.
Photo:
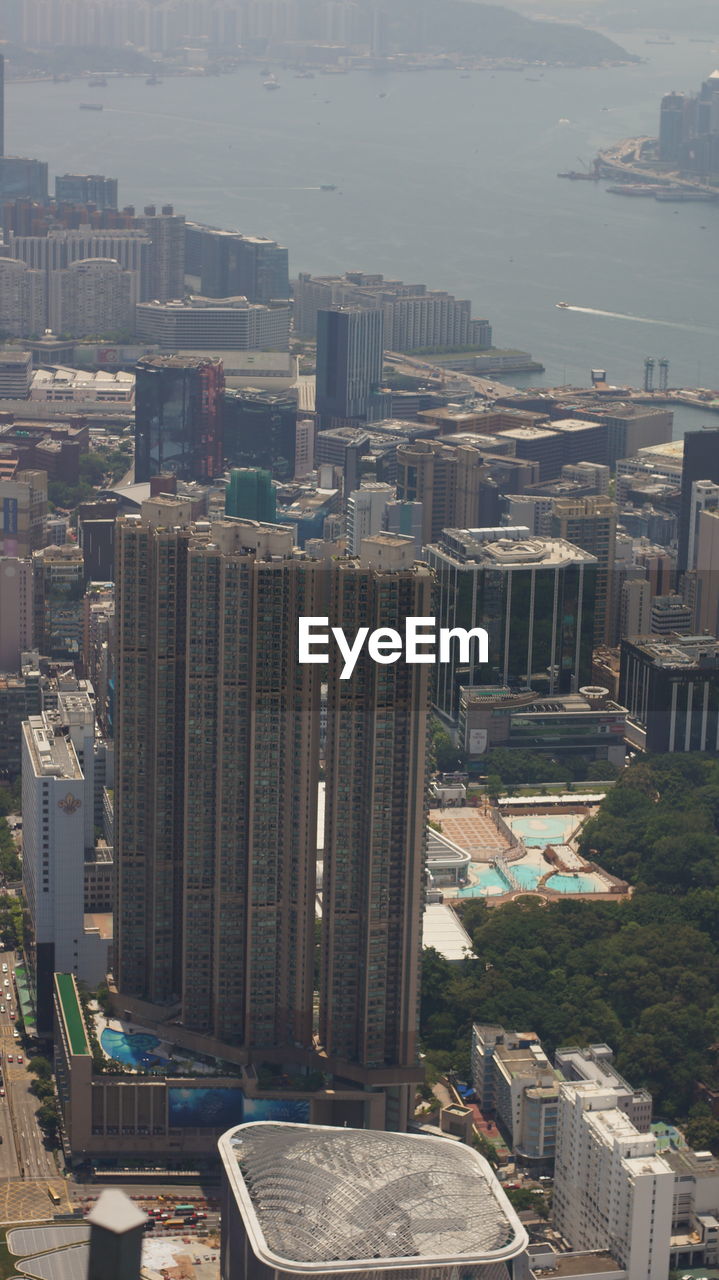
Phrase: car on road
(20, 1059)
(9, 1057)
(2, 1093)
(2, 1008)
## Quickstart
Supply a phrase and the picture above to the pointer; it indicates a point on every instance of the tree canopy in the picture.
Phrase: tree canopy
(642, 974)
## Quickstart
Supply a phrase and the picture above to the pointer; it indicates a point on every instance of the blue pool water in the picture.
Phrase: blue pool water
(491, 881)
(546, 828)
(134, 1050)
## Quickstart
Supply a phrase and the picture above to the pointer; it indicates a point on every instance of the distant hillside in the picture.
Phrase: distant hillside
(490, 31)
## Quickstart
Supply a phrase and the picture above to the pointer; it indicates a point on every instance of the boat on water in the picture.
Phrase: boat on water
(327, 186)
(564, 306)
(97, 82)
(153, 80)
(270, 84)
(91, 106)
(637, 189)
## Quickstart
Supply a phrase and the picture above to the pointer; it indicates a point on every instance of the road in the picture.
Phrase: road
(485, 388)
(23, 1152)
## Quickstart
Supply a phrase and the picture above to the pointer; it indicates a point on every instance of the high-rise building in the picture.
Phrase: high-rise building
(86, 188)
(250, 495)
(214, 324)
(227, 264)
(22, 178)
(635, 597)
(415, 318)
(178, 417)
(260, 430)
(448, 481)
(93, 297)
(673, 122)
(376, 766)
(15, 610)
(23, 511)
(704, 497)
(591, 523)
(58, 587)
(349, 367)
(64, 767)
(612, 1191)
(670, 616)
(303, 1199)
(23, 299)
(700, 462)
(405, 518)
(670, 686)
(365, 512)
(216, 732)
(535, 599)
(15, 374)
(217, 739)
(2, 104)
(706, 593)
(166, 229)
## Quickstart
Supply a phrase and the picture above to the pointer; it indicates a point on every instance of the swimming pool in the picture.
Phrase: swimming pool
(544, 828)
(133, 1050)
(491, 881)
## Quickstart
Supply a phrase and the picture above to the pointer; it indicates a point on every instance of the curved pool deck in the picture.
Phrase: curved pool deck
(490, 882)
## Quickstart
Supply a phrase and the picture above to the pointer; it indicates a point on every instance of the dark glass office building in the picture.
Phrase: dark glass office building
(349, 366)
(260, 431)
(534, 597)
(178, 417)
(701, 462)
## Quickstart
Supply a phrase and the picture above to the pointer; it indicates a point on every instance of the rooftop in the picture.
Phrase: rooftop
(318, 1199)
(52, 752)
(465, 547)
(442, 930)
(72, 1013)
(677, 651)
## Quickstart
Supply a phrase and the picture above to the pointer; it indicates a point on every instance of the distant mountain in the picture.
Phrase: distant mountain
(490, 31)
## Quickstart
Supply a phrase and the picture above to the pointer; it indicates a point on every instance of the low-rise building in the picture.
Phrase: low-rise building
(300, 1200)
(588, 722)
(516, 1084)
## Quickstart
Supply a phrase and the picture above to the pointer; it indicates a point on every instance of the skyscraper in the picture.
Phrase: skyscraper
(534, 597)
(217, 762)
(349, 366)
(700, 462)
(376, 769)
(86, 188)
(178, 417)
(58, 587)
(591, 523)
(217, 768)
(2, 104)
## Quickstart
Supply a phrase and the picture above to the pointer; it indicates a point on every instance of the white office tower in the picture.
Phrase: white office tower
(303, 1200)
(611, 1190)
(365, 512)
(64, 766)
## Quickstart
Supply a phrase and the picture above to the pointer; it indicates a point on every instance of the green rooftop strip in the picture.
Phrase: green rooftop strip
(25, 1000)
(72, 1013)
